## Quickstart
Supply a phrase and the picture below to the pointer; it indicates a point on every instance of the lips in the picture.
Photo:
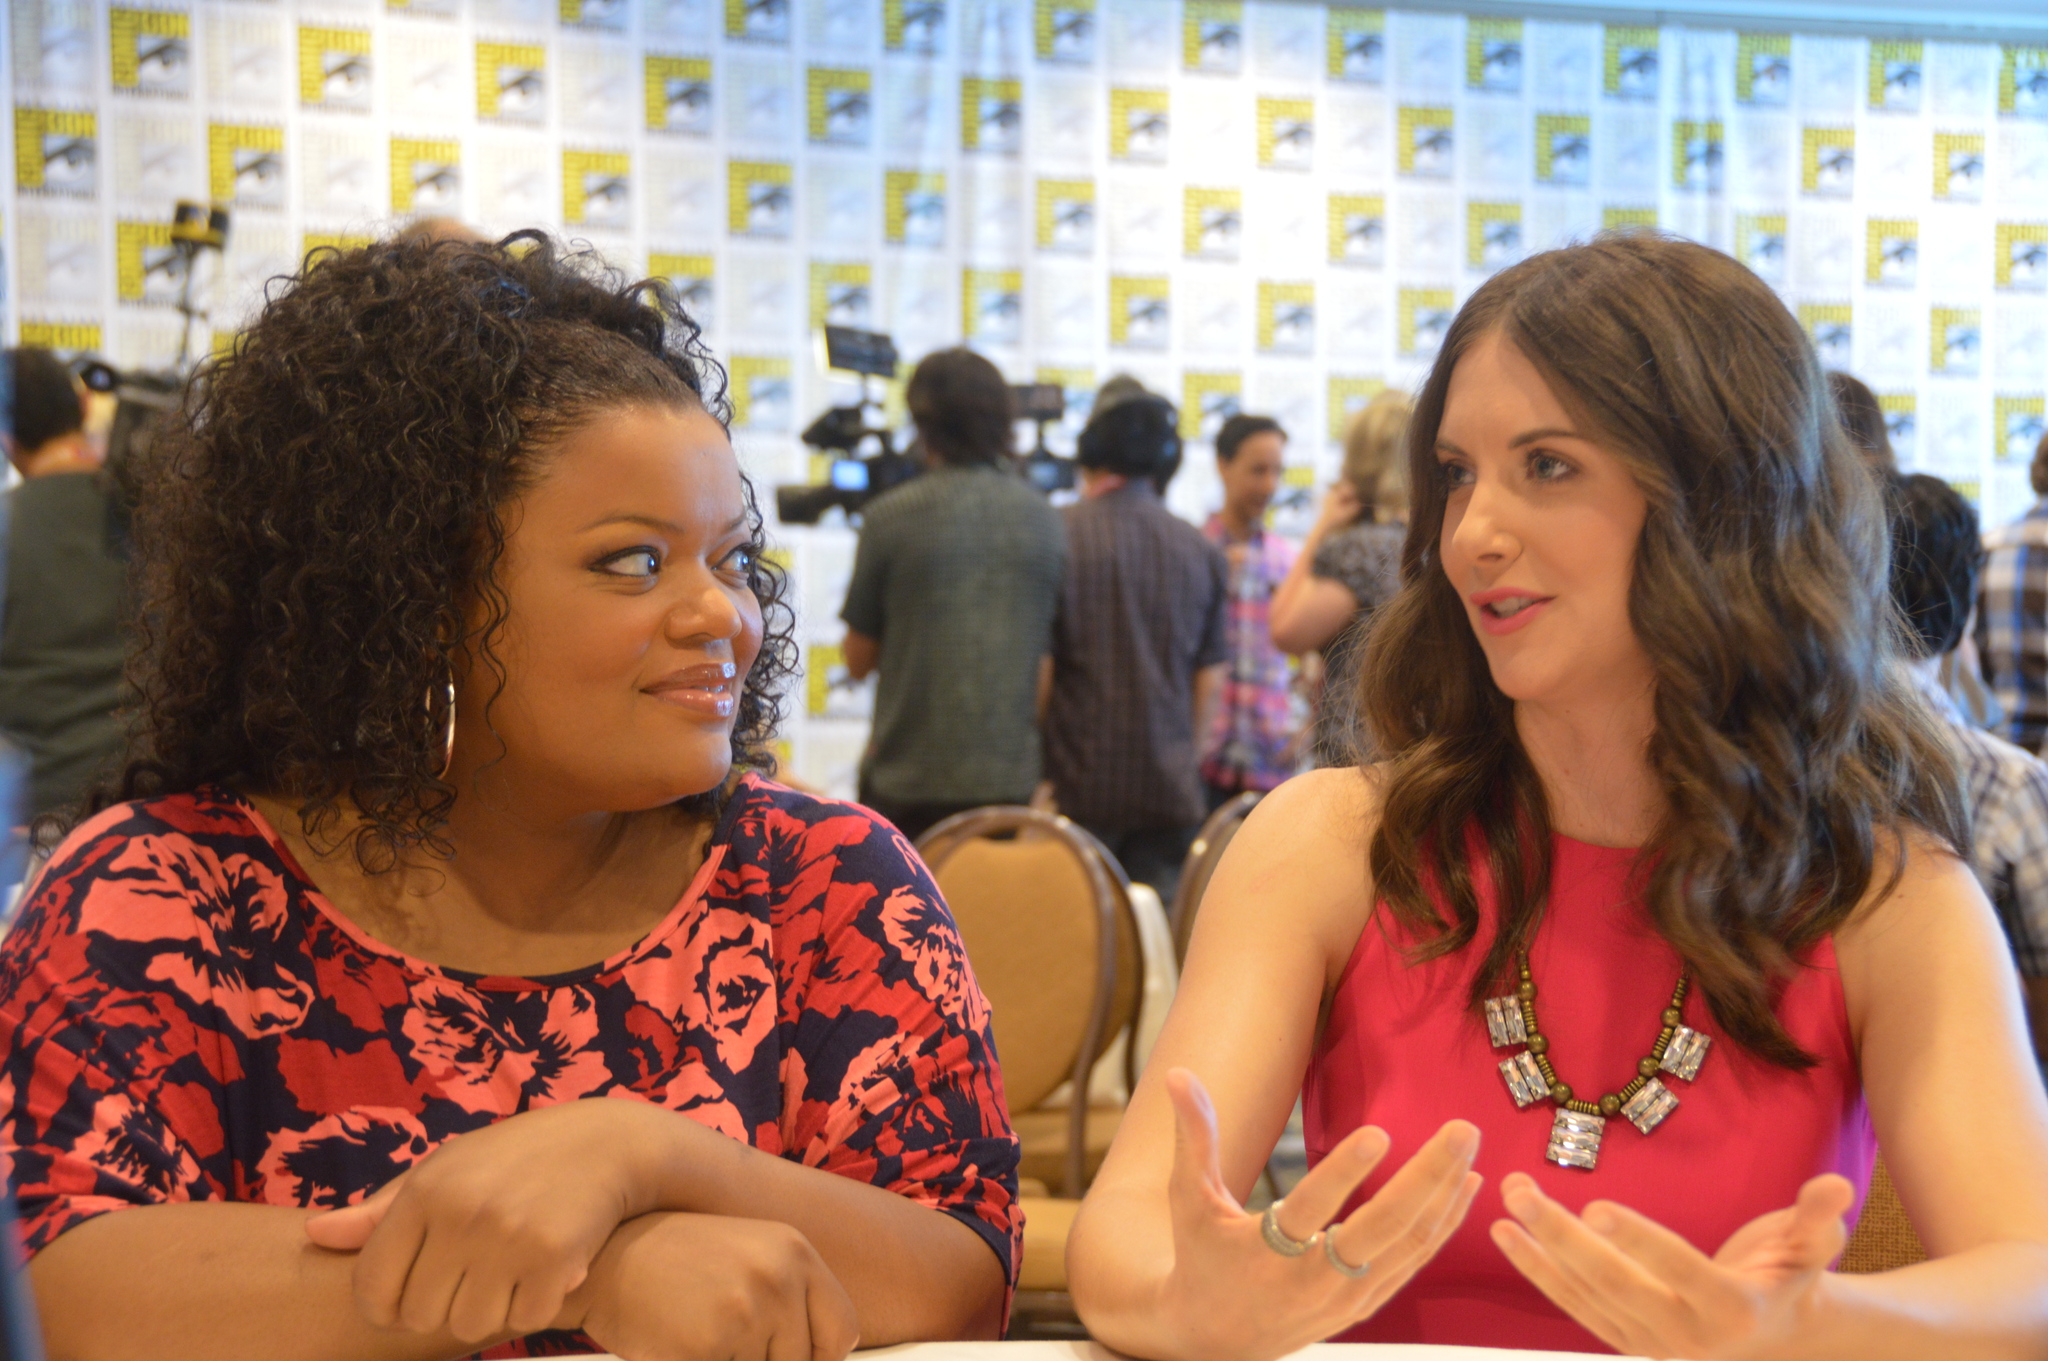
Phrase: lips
(710, 689)
(1506, 609)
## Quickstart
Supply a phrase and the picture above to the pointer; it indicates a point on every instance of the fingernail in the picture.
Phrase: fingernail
(1601, 1219)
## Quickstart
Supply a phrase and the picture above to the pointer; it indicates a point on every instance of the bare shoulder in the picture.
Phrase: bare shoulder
(1338, 805)
(1917, 883)
(1299, 865)
(1927, 927)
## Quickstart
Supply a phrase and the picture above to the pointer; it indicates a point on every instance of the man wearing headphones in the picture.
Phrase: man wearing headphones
(1139, 644)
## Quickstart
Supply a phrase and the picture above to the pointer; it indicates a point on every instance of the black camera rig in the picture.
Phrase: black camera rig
(859, 472)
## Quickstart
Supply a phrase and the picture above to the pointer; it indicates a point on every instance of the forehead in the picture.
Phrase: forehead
(665, 462)
(1495, 383)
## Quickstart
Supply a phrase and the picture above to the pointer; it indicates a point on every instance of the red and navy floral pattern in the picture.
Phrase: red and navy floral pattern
(184, 1018)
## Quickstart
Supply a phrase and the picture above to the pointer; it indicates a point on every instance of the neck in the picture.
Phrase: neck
(525, 868)
(1926, 671)
(1593, 761)
(64, 454)
(1242, 522)
(1095, 482)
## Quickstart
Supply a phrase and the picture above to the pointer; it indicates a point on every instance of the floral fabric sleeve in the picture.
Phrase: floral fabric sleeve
(889, 1071)
(106, 1089)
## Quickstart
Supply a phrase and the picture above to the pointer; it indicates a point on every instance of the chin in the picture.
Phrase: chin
(658, 783)
(1523, 683)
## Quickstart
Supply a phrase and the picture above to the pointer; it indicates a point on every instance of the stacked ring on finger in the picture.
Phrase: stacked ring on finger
(1277, 1238)
(1344, 1268)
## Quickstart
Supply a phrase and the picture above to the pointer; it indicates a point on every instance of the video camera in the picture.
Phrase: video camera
(844, 431)
(1041, 403)
(142, 399)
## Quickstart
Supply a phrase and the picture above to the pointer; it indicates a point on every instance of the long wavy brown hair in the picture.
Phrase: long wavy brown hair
(1790, 754)
(320, 524)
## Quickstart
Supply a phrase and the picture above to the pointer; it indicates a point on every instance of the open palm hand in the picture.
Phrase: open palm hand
(1645, 1291)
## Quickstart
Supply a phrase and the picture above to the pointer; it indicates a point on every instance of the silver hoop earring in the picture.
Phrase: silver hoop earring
(447, 726)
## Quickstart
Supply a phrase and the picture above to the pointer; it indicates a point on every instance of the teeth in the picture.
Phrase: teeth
(1501, 609)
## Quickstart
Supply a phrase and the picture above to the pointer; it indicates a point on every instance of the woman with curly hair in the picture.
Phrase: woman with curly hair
(448, 808)
(1652, 908)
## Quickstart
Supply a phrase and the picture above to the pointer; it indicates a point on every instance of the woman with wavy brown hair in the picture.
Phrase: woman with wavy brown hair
(1652, 909)
(449, 811)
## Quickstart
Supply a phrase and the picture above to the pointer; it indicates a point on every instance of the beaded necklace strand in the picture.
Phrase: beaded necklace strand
(1576, 1130)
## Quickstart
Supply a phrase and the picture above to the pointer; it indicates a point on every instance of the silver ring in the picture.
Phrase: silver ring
(1356, 1273)
(1276, 1237)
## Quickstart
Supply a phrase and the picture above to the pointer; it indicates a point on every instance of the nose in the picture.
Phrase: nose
(707, 613)
(1484, 532)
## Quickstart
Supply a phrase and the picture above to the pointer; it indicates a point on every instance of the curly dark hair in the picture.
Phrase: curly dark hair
(320, 523)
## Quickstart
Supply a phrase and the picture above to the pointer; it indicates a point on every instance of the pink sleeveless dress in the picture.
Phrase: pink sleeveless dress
(1403, 1051)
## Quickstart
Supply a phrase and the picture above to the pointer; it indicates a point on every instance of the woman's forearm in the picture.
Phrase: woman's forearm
(230, 1282)
(1986, 1304)
(1119, 1253)
(1281, 609)
(914, 1273)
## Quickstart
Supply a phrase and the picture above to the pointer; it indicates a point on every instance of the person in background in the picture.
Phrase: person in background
(1140, 644)
(954, 586)
(1862, 420)
(1935, 558)
(1118, 387)
(1349, 566)
(64, 632)
(2012, 615)
(1251, 744)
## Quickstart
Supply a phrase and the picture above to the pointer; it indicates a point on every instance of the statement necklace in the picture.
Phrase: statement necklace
(1575, 1133)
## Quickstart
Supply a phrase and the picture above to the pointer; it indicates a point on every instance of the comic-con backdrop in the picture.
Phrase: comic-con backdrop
(1260, 206)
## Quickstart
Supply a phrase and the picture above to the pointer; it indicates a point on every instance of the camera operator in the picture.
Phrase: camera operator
(1139, 648)
(954, 586)
(63, 636)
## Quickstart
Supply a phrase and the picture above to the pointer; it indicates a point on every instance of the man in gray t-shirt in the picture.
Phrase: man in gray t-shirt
(952, 598)
(64, 624)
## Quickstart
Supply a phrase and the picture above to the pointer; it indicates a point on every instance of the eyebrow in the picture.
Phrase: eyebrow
(1545, 432)
(738, 521)
(1526, 437)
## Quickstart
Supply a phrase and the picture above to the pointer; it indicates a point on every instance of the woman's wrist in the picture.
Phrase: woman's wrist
(594, 1294)
(673, 1163)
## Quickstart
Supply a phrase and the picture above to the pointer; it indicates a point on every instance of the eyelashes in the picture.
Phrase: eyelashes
(738, 561)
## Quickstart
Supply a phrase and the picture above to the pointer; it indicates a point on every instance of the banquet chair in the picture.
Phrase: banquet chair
(1203, 857)
(1043, 911)
(1883, 1238)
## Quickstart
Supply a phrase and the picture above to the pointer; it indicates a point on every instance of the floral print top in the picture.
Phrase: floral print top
(183, 1017)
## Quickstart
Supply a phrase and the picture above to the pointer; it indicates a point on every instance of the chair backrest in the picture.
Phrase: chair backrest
(1046, 920)
(1203, 857)
(1883, 1238)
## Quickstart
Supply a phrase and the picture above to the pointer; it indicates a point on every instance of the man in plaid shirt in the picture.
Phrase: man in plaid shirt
(1250, 744)
(2012, 615)
(1935, 557)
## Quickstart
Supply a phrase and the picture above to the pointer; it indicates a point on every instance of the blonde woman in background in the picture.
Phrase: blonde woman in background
(1349, 566)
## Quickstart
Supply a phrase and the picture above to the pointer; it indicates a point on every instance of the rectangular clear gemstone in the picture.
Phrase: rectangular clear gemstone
(1575, 1140)
(1647, 1108)
(1682, 1057)
(1504, 1021)
(1524, 1079)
